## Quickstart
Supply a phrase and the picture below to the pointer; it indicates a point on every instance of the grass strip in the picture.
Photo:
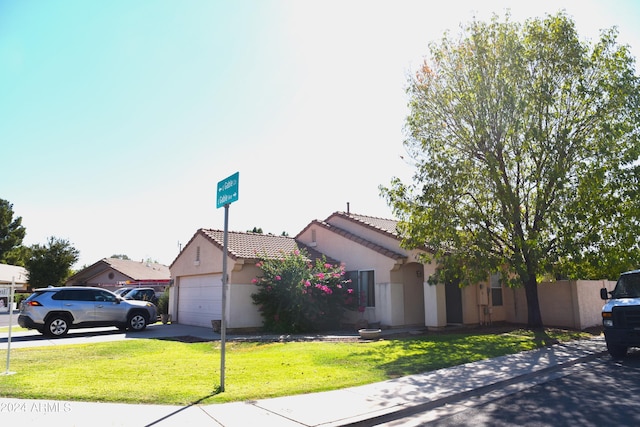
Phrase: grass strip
(168, 372)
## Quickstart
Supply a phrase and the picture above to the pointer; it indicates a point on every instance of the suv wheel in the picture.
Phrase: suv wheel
(137, 322)
(57, 325)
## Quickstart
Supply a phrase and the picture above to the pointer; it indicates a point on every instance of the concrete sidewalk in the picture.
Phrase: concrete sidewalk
(385, 403)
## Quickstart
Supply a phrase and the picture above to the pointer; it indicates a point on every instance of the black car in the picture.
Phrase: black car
(142, 294)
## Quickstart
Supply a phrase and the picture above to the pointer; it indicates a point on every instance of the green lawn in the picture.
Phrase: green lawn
(169, 372)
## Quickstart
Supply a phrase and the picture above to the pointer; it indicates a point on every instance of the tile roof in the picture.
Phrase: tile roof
(388, 226)
(255, 245)
(139, 270)
(134, 270)
(9, 273)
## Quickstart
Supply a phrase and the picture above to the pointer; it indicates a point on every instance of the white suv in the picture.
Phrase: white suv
(53, 311)
(621, 314)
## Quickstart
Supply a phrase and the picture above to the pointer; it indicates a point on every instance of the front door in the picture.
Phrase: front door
(453, 296)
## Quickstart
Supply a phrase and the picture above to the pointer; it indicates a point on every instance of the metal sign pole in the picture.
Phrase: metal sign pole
(223, 323)
(227, 193)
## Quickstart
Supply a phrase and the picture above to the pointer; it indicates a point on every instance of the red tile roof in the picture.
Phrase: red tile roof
(387, 226)
(256, 245)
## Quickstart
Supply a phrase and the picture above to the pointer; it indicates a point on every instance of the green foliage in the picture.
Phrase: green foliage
(121, 256)
(51, 264)
(296, 295)
(11, 235)
(163, 302)
(525, 143)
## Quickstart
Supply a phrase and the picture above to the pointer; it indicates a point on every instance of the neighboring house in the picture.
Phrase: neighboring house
(12, 274)
(114, 273)
(391, 281)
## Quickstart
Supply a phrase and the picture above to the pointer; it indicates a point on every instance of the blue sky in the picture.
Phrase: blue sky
(118, 118)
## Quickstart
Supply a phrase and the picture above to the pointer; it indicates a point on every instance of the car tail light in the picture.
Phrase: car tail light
(34, 303)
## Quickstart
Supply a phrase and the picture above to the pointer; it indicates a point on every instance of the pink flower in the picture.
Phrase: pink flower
(307, 284)
(320, 276)
(327, 266)
(278, 277)
(254, 281)
(349, 291)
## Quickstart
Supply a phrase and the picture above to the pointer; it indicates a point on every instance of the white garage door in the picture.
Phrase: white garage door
(200, 299)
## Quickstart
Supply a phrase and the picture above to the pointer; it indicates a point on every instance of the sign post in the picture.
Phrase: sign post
(227, 193)
(8, 292)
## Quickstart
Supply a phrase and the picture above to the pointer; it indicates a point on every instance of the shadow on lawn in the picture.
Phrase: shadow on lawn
(197, 402)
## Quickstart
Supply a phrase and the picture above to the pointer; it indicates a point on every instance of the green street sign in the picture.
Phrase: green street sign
(227, 190)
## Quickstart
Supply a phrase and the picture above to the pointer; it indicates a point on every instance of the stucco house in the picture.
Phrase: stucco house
(12, 274)
(392, 282)
(196, 295)
(114, 273)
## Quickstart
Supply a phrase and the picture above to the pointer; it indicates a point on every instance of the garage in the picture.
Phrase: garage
(200, 299)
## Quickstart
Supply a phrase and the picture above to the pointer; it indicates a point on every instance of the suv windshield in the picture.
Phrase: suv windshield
(628, 286)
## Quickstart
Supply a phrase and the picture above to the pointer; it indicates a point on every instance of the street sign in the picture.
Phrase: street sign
(227, 190)
(227, 193)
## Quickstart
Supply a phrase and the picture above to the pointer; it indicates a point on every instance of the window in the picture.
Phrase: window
(496, 290)
(104, 296)
(198, 253)
(364, 284)
(74, 295)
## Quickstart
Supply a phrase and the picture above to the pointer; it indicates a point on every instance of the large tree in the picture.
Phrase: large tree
(11, 235)
(525, 144)
(51, 264)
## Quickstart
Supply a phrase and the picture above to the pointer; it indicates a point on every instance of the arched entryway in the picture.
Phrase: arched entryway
(413, 281)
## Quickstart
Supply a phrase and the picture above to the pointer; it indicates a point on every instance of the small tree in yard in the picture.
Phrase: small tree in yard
(50, 264)
(526, 145)
(296, 295)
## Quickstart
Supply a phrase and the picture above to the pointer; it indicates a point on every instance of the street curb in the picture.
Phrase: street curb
(408, 411)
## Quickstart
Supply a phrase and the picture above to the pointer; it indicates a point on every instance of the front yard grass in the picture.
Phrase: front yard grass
(170, 372)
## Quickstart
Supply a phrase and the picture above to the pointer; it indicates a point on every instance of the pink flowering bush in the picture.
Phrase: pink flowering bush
(296, 295)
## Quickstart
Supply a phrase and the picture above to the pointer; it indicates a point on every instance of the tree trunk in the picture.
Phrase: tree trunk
(534, 318)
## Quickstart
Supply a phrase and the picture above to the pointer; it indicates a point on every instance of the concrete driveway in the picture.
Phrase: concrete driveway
(32, 338)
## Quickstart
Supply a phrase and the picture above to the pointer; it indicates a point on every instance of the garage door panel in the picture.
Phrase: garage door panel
(200, 299)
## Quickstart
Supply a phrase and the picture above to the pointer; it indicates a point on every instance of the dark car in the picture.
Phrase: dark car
(142, 294)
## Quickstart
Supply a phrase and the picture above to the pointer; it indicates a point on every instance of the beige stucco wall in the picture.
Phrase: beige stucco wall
(241, 313)
(564, 303)
(367, 233)
(389, 293)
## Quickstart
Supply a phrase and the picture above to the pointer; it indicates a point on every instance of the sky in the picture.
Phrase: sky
(118, 118)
